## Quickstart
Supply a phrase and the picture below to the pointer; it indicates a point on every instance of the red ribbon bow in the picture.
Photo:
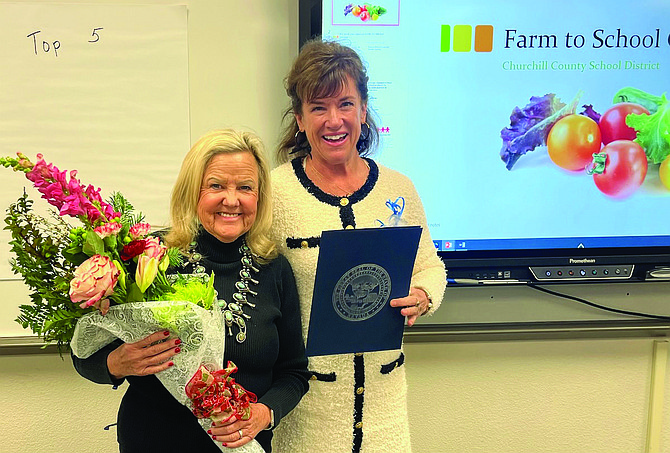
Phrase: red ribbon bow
(215, 393)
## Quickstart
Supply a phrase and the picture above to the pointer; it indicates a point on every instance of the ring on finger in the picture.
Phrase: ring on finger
(239, 431)
(418, 302)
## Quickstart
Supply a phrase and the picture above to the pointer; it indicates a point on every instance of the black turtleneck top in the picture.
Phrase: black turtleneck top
(271, 361)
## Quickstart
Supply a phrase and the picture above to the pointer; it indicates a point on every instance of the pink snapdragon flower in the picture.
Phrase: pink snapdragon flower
(68, 195)
(24, 163)
(95, 207)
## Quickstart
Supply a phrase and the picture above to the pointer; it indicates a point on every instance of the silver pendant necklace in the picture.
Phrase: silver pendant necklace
(233, 313)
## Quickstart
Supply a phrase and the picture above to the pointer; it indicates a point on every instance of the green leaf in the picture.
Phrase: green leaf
(134, 294)
(646, 100)
(93, 244)
(176, 258)
(75, 258)
(110, 242)
(60, 318)
(653, 132)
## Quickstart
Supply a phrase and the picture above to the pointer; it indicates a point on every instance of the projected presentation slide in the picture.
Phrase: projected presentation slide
(522, 125)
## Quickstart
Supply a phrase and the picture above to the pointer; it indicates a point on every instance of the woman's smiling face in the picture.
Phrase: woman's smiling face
(333, 124)
(229, 195)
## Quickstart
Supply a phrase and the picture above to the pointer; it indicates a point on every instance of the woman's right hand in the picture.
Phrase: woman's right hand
(146, 356)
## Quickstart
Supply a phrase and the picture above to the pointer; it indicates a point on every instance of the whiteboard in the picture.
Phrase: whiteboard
(101, 89)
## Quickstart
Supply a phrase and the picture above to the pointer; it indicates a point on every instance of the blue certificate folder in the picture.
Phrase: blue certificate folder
(358, 272)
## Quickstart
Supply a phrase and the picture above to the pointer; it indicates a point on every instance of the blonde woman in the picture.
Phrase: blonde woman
(221, 213)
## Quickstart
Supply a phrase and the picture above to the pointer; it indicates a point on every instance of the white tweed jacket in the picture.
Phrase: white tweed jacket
(356, 402)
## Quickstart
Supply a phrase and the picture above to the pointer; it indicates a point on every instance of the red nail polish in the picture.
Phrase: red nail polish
(224, 444)
(214, 437)
(209, 431)
(166, 333)
(177, 350)
(177, 342)
(171, 364)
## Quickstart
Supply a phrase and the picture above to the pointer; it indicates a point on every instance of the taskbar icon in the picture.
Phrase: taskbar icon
(443, 245)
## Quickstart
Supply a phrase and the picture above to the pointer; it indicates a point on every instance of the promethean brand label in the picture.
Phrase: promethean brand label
(582, 261)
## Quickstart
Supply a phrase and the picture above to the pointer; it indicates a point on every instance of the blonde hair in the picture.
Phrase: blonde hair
(321, 70)
(185, 223)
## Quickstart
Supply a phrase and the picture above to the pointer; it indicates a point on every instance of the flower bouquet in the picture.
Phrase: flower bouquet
(106, 279)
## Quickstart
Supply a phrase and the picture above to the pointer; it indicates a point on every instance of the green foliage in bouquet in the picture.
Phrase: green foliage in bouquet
(38, 245)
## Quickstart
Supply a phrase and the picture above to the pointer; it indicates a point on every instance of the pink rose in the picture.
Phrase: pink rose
(93, 281)
(139, 230)
(153, 248)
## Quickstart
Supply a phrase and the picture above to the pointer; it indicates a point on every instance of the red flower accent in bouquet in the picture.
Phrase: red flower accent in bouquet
(216, 395)
(132, 249)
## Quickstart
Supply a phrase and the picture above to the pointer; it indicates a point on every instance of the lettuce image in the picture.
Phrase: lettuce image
(629, 94)
(530, 126)
(591, 113)
(653, 131)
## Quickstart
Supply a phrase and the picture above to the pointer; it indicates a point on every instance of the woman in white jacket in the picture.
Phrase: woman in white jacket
(356, 402)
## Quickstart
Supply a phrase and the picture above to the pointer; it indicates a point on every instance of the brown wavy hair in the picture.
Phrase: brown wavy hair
(321, 70)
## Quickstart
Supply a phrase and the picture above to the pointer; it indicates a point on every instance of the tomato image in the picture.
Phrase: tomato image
(613, 122)
(625, 169)
(664, 172)
(572, 141)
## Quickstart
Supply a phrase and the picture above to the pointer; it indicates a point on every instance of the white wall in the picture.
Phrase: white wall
(48, 407)
(577, 396)
(525, 397)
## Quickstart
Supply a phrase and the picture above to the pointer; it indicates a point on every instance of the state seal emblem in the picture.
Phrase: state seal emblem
(361, 292)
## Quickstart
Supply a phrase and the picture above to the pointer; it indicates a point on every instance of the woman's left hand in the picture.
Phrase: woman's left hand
(235, 433)
(414, 305)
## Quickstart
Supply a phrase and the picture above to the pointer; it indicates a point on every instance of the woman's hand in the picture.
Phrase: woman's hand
(235, 433)
(414, 305)
(147, 356)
